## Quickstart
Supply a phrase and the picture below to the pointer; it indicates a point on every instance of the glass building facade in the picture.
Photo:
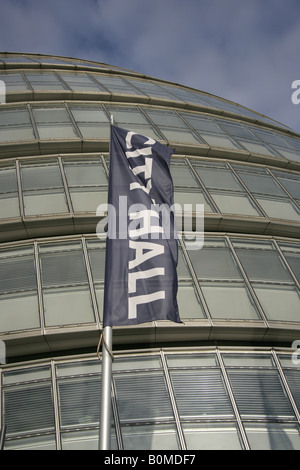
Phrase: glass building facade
(229, 376)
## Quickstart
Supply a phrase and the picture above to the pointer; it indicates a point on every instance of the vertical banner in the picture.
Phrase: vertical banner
(141, 251)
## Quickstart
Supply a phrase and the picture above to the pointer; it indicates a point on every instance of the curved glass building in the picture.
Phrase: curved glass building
(229, 377)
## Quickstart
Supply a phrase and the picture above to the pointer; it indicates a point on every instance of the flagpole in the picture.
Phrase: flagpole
(105, 415)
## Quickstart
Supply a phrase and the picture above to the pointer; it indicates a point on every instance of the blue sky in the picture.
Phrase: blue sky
(243, 50)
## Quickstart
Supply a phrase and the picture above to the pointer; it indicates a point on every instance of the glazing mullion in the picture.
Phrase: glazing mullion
(23, 75)
(56, 74)
(90, 282)
(247, 281)
(20, 193)
(195, 281)
(151, 122)
(74, 123)
(33, 123)
(286, 386)
(116, 417)
(39, 287)
(55, 404)
(102, 158)
(232, 400)
(173, 401)
(206, 192)
(65, 186)
(286, 264)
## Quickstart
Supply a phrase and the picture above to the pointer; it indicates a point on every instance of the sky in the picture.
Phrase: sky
(246, 51)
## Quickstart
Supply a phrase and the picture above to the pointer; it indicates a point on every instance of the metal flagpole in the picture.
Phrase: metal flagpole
(105, 415)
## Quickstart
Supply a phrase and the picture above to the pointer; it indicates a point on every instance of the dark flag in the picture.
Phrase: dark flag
(141, 246)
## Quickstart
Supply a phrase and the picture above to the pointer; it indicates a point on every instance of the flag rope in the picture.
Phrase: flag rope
(102, 338)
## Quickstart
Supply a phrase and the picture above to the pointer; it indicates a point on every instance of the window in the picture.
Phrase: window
(53, 123)
(44, 81)
(87, 184)
(91, 120)
(173, 128)
(18, 290)
(43, 190)
(9, 201)
(133, 120)
(210, 131)
(15, 125)
(66, 292)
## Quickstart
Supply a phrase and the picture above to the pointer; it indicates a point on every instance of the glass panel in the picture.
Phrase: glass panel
(234, 203)
(194, 397)
(14, 82)
(248, 360)
(79, 401)
(293, 378)
(81, 82)
(134, 363)
(78, 368)
(279, 208)
(214, 263)
(257, 147)
(93, 114)
(223, 141)
(41, 176)
(292, 185)
(294, 262)
(19, 311)
(261, 184)
(9, 206)
(68, 306)
(8, 180)
(45, 202)
(190, 199)
(16, 133)
(270, 398)
(192, 360)
(85, 174)
(263, 265)
(17, 272)
(218, 178)
(63, 268)
(182, 176)
(280, 303)
(229, 301)
(46, 442)
(85, 440)
(212, 436)
(189, 306)
(96, 251)
(273, 436)
(131, 390)
(13, 117)
(87, 199)
(117, 85)
(44, 81)
(53, 123)
(179, 135)
(150, 437)
(132, 119)
(28, 408)
(26, 375)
